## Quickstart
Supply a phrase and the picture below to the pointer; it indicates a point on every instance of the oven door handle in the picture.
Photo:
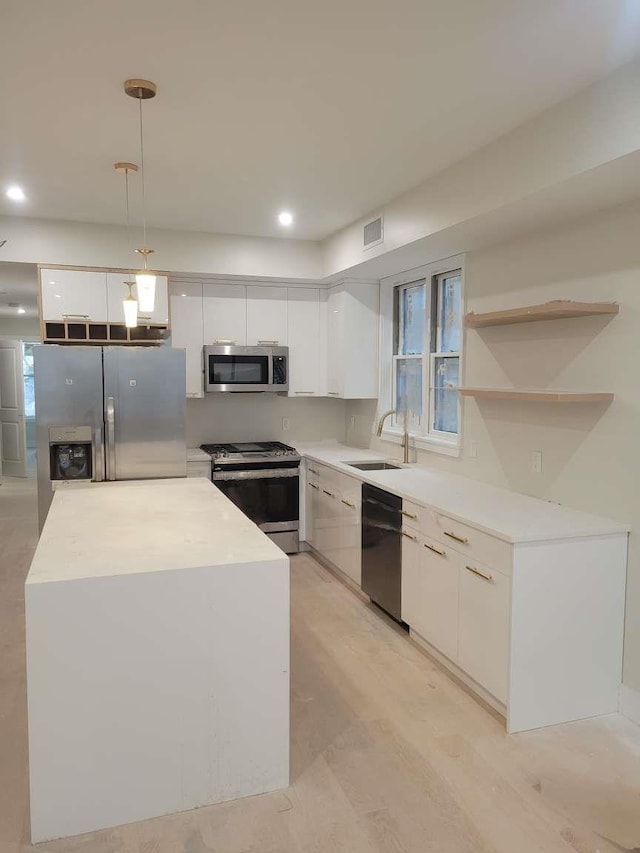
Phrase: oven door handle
(261, 474)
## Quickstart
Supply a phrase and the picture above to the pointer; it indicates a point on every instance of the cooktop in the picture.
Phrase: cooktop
(249, 449)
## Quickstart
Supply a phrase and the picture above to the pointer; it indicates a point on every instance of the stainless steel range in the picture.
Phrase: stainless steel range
(262, 479)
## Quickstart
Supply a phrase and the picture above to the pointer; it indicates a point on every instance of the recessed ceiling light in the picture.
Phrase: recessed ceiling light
(58, 295)
(16, 193)
(285, 218)
(22, 310)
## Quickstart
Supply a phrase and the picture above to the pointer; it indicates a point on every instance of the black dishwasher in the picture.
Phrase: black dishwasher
(382, 548)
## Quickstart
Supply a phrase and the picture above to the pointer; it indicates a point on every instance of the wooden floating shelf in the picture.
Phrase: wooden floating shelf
(536, 396)
(561, 309)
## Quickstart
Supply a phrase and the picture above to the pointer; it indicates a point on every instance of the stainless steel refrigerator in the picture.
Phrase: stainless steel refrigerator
(108, 413)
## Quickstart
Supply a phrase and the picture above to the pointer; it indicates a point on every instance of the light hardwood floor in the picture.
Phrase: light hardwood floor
(388, 752)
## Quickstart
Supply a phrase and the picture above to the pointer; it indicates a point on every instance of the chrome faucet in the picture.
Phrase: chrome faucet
(405, 437)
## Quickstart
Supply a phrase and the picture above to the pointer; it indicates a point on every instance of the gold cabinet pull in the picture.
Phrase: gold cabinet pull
(410, 536)
(409, 514)
(479, 573)
(462, 539)
(348, 503)
(435, 550)
(314, 470)
(331, 494)
(313, 486)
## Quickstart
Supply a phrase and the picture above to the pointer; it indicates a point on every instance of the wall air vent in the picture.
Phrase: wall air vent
(372, 233)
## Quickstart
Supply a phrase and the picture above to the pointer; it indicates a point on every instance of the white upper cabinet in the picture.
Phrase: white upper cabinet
(266, 316)
(335, 342)
(117, 290)
(187, 331)
(73, 295)
(225, 313)
(303, 335)
(352, 341)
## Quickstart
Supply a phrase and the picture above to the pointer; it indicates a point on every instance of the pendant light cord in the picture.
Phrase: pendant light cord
(144, 206)
(126, 195)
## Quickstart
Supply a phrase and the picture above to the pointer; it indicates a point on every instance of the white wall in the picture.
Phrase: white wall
(596, 126)
(27, 328)
(258, 417)
(590, 452)
(85, 244)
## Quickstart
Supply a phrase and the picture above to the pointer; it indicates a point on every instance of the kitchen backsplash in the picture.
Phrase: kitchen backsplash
(256, 417)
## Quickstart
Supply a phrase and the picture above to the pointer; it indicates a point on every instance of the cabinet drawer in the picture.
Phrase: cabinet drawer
(484, 626)
(471, 543)
(411, 515)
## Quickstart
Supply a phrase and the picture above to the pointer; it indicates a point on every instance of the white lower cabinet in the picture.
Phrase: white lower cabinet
(430, 592)
(332, 518)
(483, 627)
(535, 627)
(349, 554)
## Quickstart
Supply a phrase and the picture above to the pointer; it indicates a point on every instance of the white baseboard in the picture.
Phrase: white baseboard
(630, 703)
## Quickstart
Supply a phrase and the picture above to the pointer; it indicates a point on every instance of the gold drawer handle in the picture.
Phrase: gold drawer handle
(479, 573)
(331, 494)
(314, 470)
(409, 514)
(462, 539)
(435, 550)
(409, 536)
(313, 486)
(348, 503)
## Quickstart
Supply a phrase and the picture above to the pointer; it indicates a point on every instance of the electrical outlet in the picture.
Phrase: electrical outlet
(536, 462)
(473, 449)
(285, 424)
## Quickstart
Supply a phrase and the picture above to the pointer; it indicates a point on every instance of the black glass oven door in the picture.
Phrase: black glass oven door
(267, 501)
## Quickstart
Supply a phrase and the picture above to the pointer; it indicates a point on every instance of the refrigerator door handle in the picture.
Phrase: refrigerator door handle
(111, 438)
(98, 455)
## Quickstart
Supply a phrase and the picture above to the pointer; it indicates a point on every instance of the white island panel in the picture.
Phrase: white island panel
(153, 691)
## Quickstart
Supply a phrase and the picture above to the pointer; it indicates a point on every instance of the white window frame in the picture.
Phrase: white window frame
(423, 436)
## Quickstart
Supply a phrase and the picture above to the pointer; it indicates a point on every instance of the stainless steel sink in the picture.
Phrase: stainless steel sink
(373, 466)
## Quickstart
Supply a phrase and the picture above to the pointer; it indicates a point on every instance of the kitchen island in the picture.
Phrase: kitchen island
(157, 620)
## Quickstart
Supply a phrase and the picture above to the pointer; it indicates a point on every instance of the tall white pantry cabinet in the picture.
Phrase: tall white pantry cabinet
(332, 333)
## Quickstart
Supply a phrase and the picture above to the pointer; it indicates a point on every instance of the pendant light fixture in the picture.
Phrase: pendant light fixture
(145, 280)
(129, 303)
(130, 307)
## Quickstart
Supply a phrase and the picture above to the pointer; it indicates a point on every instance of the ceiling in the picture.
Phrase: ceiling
(18, 284)
(327, 109)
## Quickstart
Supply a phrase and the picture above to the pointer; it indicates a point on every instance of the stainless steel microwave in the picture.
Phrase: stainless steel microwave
(231, 368)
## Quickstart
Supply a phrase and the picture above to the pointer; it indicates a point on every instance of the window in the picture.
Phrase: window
(426, 344)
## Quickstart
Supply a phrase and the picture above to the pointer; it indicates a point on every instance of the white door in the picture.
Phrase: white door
(187, 331)
(13, 444)
(335, 342)
(303, 335)
(266, 316)
(225, 313)
(79, 295)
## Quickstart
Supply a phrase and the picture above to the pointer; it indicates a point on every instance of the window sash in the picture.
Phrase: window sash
(433, 358)
(423, 424)
(401, 292)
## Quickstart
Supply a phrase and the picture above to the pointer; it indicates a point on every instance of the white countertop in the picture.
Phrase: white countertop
(195, 454)
(510, 516)
(108, 529)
